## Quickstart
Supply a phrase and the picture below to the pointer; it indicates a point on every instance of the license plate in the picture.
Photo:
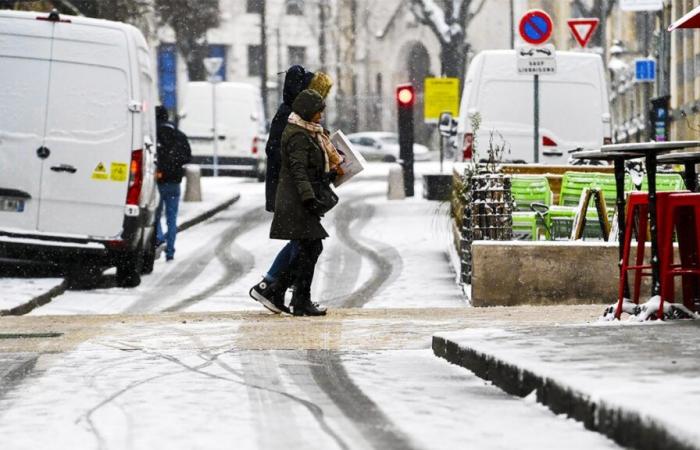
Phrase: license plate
(11, 205)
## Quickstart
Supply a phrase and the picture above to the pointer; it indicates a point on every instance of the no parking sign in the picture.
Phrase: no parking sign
(536, 27)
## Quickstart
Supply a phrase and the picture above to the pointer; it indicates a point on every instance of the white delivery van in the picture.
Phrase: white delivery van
(77, 135)
(574, 107)
(241, 127)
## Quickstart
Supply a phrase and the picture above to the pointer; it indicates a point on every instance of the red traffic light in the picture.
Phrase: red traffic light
(405, 95)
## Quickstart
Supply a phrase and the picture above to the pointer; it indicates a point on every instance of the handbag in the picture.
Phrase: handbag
(325, 196)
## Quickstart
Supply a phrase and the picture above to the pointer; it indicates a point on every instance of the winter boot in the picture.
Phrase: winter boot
(270, 295)
(305, 307)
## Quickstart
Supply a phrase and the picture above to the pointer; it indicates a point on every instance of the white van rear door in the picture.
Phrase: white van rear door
(25, 54)
(89, 132)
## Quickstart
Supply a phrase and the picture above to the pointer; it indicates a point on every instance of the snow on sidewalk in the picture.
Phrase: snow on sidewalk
(216, 193)
(636, 383)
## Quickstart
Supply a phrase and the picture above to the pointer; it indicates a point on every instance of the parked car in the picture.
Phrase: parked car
(77, 144)
(241, 127)
(384, 146)
(574, 107)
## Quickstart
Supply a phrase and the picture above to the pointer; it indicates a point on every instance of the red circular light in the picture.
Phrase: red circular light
(405, 96)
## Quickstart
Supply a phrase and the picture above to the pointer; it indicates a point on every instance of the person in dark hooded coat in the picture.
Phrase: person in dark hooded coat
(297, 79)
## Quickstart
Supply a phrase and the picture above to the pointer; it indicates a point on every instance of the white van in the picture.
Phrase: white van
(574, 107)
(241, 127)
(77, 134)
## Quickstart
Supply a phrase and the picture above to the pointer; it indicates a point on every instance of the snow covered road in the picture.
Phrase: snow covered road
(188, 360)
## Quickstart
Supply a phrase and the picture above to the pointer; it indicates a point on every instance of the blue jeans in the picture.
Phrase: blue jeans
(170, 199)
(283, 261)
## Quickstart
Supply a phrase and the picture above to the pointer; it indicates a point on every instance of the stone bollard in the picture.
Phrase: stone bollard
(193, 187)
(396, 186)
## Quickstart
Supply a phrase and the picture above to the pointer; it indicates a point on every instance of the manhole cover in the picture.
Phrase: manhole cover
(29, 335)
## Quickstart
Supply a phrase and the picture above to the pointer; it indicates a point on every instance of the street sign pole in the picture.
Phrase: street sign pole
(537, 119)
(212, 66)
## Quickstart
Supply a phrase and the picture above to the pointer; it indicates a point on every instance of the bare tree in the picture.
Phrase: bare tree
(449, 20)
(190, 19)
(600, 9)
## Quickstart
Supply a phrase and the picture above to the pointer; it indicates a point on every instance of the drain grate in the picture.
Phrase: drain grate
(29, 335)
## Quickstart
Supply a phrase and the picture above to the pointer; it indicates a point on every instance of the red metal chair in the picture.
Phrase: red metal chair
(679, 213)
(636, 217)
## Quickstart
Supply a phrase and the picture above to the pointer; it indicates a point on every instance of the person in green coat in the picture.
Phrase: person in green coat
(306, 166)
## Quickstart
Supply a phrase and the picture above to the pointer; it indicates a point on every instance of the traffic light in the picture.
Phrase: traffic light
(405, 100)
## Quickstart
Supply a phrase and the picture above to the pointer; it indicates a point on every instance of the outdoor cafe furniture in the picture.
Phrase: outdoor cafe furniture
(689, 160)
(651, 150)
(618, 158)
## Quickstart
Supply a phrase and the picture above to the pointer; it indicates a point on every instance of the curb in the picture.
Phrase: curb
(54, 292)
(208, 214)
(40, 300)
(625, 427)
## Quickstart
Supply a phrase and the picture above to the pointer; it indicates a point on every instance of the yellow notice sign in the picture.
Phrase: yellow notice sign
(441, 95)
(100, 172)
(118, 171)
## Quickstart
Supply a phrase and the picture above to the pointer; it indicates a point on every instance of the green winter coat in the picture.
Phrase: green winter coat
(303, 164)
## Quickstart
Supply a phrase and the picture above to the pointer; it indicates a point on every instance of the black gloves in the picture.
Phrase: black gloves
(313, 206)
(330, 177)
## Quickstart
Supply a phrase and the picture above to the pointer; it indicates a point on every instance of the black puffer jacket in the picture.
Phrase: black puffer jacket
(296, 80)
(173, 153)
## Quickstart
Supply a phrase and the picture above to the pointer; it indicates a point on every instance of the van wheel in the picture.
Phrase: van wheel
(84, 276)
(261, 177)
(129, 267)
(149, 256)
(389, 158)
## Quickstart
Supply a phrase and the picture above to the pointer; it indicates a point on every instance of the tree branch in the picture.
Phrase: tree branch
(475, 11)
(433, 16)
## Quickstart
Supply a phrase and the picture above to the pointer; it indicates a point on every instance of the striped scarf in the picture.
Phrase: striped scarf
(332, 157)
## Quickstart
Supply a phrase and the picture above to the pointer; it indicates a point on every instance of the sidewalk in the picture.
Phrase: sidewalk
(20, 295)
(637, 384)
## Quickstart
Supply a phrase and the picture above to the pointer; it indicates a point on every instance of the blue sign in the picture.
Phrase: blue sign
(167, 76)
(645, 70)
(536, 27)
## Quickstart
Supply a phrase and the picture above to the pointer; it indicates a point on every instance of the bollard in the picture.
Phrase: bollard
(193, 187)
(396, 183)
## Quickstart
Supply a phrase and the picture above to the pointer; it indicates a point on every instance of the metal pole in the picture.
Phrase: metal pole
(263, 46)
(214, 130)
(651, 177)
(512, 24)
(442, 150)
(537, 119)
(621, 219)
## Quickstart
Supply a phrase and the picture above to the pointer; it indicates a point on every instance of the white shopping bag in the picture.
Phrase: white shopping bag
(353, 163)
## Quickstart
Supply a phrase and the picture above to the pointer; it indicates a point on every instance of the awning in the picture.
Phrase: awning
(690, 20)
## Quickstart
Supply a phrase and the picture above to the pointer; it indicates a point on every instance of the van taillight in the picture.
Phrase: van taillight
(468, 149)
(135, 178)
(607, 141)
(254, 147)
(548, 142)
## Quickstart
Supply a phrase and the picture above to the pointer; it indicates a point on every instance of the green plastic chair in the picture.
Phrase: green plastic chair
(666, 182)
(562, 215)
(529, 190)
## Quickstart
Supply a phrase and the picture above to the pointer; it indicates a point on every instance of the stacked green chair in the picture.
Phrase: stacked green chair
(666, 182)
(529, 190)
(562, 215)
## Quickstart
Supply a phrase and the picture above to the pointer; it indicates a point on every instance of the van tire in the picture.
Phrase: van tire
(149, 256)
(129, 267)
(389, 158)
(84, 276)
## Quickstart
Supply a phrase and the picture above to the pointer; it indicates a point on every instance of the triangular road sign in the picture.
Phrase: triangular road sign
(583, 29)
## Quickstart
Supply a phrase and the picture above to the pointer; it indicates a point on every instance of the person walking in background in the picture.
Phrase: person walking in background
(304, 195)
(271, 289)
(173, 153)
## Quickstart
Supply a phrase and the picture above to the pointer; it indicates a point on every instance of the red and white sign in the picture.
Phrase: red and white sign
(536, 27)
(583, 29)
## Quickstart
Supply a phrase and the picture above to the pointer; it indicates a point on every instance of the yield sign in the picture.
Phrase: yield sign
(583, 29)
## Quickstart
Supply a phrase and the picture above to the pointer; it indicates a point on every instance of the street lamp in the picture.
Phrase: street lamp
(212, 66)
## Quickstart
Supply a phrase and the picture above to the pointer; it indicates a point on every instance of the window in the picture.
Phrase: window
(254, 6)
(255, 60)
(219, 51)
(296, 55)
(295, 7)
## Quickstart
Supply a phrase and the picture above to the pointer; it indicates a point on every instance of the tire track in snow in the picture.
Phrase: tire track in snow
(385, 259)
(234, 266)
(330, 375)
